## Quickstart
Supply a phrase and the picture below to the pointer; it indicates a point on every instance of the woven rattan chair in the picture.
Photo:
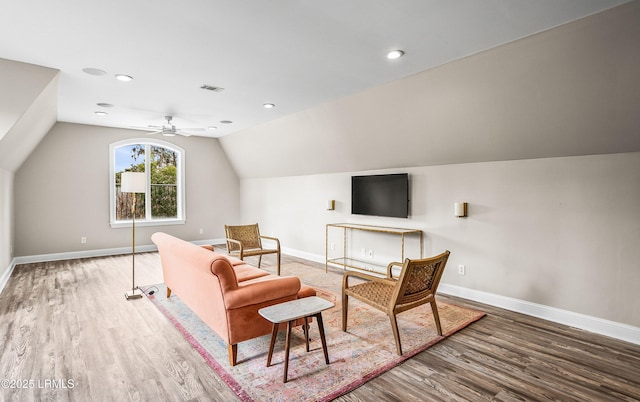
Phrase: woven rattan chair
(416, 285)
(246, 241)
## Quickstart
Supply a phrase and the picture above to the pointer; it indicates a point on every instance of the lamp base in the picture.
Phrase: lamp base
(133, 294)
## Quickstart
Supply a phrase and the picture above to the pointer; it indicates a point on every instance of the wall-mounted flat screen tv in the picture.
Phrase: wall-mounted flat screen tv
(380, 195)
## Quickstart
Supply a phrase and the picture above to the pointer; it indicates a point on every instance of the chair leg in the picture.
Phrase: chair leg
(278, 263)
(168, 292)
(396, 334)
(436, 317)
(259, 260)
(345, 307)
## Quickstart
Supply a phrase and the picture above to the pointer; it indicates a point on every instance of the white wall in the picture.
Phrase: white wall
(62, 192)
(560, 232)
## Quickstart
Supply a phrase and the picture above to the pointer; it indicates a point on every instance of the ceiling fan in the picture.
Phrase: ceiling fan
(170, 130)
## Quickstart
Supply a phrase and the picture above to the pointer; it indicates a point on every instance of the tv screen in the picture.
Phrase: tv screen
(380, 195)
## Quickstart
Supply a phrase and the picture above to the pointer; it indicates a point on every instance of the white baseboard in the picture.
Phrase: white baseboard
(81, 254)
(304, 255)
(5, 277)
(596, 325)
(98, 253)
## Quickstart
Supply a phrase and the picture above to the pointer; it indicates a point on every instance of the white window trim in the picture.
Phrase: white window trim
(181, 219)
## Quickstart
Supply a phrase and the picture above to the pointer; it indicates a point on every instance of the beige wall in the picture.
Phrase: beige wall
(528, 133)
(62, 192)
(560, 232)
(553, 231)
(6, 221)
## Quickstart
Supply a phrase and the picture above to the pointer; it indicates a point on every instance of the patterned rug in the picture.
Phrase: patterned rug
(364, 352)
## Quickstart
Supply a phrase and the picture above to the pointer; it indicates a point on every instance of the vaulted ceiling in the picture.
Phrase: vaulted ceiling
(286, 52)
(479, 81)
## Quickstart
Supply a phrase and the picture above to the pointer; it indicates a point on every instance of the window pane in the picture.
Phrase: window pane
(129, 158)
(164, 189)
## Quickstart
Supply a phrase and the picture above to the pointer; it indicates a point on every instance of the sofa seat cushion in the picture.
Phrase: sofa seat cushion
(306, 291)
(235, 261)
(246, 272)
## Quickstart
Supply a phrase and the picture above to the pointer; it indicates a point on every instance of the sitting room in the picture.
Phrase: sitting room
(347, 201)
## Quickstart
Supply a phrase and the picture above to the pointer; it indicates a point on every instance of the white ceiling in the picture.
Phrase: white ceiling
(295, 54)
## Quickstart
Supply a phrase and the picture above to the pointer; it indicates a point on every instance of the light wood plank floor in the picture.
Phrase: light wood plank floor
(68, 323)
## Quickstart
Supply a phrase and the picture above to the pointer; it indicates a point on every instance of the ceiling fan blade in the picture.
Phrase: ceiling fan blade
(147, 128)
(183, 133)
(154, 132)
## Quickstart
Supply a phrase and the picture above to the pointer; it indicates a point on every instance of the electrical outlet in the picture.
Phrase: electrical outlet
(83, 240)
(461, 269)
(370, 253)
(201, 231)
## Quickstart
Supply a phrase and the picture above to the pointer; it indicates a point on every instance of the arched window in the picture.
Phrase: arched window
(163, 201)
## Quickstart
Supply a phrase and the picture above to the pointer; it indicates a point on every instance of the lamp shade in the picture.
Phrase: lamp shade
(133, 182)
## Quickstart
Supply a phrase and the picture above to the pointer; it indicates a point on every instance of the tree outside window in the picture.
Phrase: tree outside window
(162, 202)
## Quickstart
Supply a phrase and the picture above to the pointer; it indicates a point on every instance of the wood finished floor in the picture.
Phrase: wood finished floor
(69, 320)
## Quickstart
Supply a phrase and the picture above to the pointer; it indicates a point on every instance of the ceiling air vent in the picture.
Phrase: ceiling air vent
(211, 88)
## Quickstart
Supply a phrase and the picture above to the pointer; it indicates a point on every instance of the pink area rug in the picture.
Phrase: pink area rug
(364, 352)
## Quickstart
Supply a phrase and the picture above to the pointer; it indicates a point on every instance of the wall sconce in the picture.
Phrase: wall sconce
(331, 205)
(460, 209)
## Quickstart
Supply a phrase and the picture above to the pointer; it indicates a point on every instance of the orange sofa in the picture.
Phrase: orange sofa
(226, 293)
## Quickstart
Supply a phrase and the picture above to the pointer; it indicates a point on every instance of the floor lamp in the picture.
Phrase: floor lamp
(133, 182)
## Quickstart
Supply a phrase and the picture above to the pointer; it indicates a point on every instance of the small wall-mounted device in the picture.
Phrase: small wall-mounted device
(331, 205)
(460, 209)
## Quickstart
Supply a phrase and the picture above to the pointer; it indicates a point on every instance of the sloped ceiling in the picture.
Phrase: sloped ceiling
(28, 109)
(308, 58)
(572, 90)
(295, 54)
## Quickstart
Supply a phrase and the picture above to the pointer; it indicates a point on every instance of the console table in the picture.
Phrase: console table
(370, 266)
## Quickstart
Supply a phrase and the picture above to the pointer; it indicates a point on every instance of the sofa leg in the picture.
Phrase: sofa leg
(168, 292)
(233, 354)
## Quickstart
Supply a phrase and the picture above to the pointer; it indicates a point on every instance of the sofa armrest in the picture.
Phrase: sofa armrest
(262, 290)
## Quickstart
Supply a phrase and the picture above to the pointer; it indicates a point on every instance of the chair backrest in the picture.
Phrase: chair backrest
(249, 235)
(419, 279)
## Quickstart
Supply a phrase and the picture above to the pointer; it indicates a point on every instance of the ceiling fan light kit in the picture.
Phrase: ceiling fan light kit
(170, 130)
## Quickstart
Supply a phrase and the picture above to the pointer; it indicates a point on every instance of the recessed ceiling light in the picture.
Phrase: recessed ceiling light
(104, 104)
(94, 71)
(395, 54)
(124, 77)
(100, 113)
(211, 128)
(269, 105)
(226, 121)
